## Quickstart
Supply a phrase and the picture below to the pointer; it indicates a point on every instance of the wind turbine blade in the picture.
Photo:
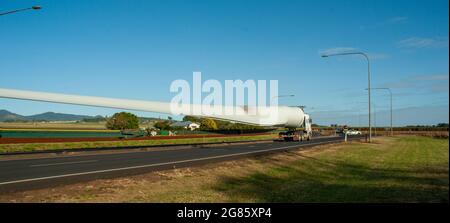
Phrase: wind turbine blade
(265, 116)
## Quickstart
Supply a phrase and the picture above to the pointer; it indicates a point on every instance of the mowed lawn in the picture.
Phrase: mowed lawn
(404, 169)
(399, 169)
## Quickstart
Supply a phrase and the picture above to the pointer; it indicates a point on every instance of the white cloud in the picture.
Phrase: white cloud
(440, 87)
(337, 50)
(377, 56)
(402, 116)
(386, 22)
(417, 43)
(423, 83)
(398, 19)
(432, 77)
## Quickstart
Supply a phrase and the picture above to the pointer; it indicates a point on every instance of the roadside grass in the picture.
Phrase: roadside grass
(400, 169)
(407, 169)
(28, 147)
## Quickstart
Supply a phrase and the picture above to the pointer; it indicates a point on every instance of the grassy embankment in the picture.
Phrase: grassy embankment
(400, 169)
(7, 148)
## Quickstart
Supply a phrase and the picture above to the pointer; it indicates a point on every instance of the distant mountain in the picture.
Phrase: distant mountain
(48, 116)
(6, 116)
(9, 116)
(52, 116)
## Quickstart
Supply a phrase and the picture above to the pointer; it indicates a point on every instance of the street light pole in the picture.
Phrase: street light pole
(368, 78)
(375, 118)
(390, 93)
(19, 10)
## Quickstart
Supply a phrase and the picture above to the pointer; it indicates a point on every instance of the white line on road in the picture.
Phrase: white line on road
(160, 164)
(118, 151)
(65, 163)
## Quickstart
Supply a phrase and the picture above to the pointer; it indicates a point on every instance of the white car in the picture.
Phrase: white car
(353, 132)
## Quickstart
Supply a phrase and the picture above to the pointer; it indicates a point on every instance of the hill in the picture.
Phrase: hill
(7, 116)
(52, 116)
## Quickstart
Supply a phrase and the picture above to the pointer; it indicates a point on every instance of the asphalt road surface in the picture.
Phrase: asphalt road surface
(24, 174)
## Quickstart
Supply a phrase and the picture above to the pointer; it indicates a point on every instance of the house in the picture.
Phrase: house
(187, 125)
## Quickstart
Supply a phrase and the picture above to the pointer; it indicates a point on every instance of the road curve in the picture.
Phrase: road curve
(24, 174)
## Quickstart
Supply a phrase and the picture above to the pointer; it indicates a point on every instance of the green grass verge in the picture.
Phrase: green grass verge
(400, 169)
(404, 169)
(28, 147)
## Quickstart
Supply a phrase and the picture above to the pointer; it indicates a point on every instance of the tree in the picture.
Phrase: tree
(94, 119)
(163, 125)
(209, 124)
(122, 121)
(192, 119)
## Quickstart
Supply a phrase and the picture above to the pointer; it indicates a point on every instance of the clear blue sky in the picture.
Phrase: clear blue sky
(135, 49)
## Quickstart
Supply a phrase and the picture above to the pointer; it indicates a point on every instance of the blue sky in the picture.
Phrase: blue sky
(135, 49)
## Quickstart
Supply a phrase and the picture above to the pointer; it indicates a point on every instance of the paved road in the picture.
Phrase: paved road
(25, 174)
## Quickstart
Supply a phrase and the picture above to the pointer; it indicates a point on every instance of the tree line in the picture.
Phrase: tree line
(128, 121)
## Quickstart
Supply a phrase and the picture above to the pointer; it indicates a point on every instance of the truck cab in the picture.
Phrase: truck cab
(302, 134)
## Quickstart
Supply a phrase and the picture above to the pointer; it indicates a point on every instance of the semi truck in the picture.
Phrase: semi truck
(298, 134)
(292, 118)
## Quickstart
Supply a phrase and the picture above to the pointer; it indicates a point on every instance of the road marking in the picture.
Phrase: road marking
(162, 164)
(65, 163)
(119, 150)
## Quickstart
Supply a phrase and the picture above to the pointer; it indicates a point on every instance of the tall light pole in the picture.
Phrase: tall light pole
(375, 117)
(368, 77)
(390, 93)
(36, 7)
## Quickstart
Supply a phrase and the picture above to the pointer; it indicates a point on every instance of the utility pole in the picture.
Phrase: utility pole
(368, 78)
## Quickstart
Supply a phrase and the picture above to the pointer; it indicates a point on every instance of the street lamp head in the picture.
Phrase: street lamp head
(36, 7)
(324, 55)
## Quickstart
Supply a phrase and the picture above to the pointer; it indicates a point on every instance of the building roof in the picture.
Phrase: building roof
(182, 124)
